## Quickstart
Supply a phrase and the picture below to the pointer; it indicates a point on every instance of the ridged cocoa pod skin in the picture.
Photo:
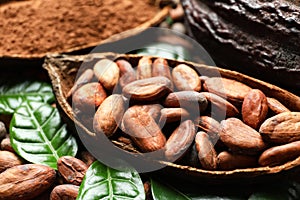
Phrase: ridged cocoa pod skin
(282, 128)
(185, 78)
(241, 138)
(206, 151)
(160, 67)
(84, 78)
(221, 105)
(109, 115)
(143, 130)
(251, 36)
(127, 73)
(25, 181)
(233, 91)
(65, 191)
(89, 96)
(276, 106)
(230, 161)
(71, 169)
(180, 140)
(8, 160)
(107, 72)
(254, 108)
(149, 89)
(144, 68)
(279, 155)
(190, 100)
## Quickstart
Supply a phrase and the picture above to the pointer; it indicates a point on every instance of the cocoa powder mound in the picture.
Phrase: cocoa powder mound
(39, 26)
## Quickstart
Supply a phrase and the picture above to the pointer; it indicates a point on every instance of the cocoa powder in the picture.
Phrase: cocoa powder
(41, 26)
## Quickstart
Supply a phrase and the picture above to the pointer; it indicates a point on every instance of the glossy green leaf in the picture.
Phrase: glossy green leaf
(163, 192)
(38, 134)
(12, 95)
(102, 182)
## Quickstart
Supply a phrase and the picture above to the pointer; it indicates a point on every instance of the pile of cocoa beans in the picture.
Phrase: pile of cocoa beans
(211, 123)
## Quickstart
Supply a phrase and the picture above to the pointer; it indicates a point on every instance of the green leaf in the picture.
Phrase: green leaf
(12, 95)
(163, 192)
(38, 135)
(102, 182)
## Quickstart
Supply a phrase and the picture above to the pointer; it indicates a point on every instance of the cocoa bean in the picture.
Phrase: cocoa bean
(6, 145)
(63, 192)
(9, 159)
(185, 78)
(276, 106)
(180, 140)
(87, 158)
(254, 108)
(144, 68)
(3, 131)
(210, 126)
(84, 78)
(230, 161)
(127, 73)
(107, 72)
(281, 128)
(71, 169)
(160, 67)
(25, 181)
(109, 115)
(173, 115)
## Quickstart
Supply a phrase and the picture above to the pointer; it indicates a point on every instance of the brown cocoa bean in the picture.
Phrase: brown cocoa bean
(25, 181)
(3, 131)
(254, 108)
(84, 78)
(281, 128)
(211, 126)
(144, 68)
(71, 169)
(278, 155)
(276, 106)
(149, 89)
(180, 140)
(127, 73)
(6, 145)
(220, 105)
(230, 161)
(63, 192)
(9, 159)
(160, 67)
(109, 115)
(87, 158)
(241, 138)
(233, 91)
(185, 78)
(173, 115)
(89, 96)
(206, 152)
(191, 100)
(143, 130)
(107, 72)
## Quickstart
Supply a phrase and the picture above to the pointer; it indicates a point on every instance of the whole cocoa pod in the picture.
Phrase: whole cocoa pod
(25, 181)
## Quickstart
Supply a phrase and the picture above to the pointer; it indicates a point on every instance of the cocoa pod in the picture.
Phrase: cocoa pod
(241, 138)
(230, 161)
(173, 115)
(190, 100)
(6, 145)
(210, 126)
(279, 155)
(233, 91)
(220, 105)
(185, 78)
(63, 192)
(180, 140)
(206, 152)
(84, 78)
(89, 96)
(109, 115)
(148, 89)
(281, 128)
(254, 108)
(25, 181)
(160, 67)
(276, 106)
(143, 130)
(71, 169)
(107, 72)
(127, 73)
(144, 68)
(9, 159)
